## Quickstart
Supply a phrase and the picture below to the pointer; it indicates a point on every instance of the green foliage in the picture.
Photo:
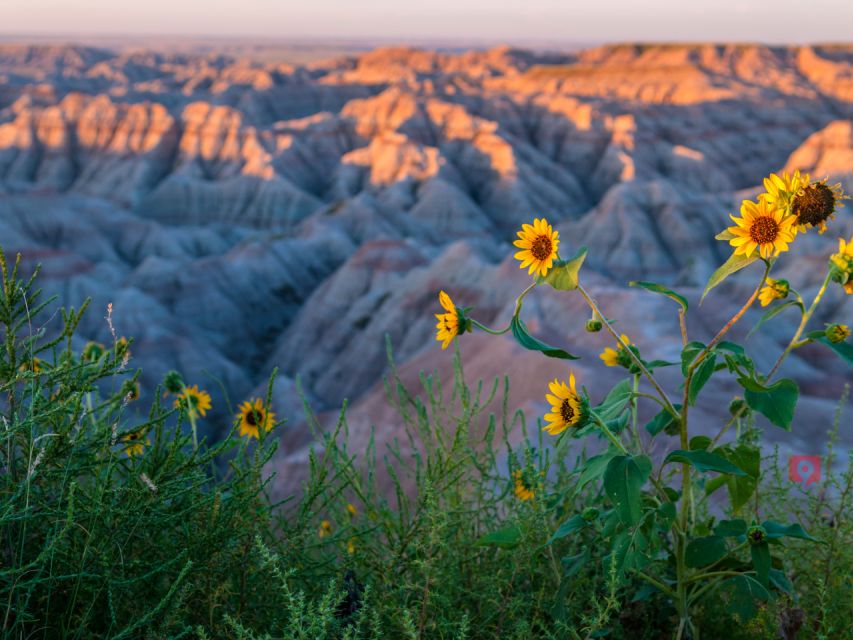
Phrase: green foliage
(522, 335)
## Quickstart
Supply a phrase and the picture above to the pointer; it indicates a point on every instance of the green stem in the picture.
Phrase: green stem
(518, 304)
(634, 403)
(610, 435)
(660, 585)
(494, 332)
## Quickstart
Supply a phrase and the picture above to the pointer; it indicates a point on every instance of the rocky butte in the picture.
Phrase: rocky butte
(242, 216)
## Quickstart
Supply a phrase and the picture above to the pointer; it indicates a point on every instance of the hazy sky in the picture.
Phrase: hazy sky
(509, 20)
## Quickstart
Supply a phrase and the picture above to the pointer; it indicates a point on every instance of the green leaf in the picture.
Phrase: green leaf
(661, 421)
(731, 528)
(689, 353)
(734, 264)
(701, 552)
(575, 523)
(741, 488)
(700, 443)
(745, 590)
(506, 538)
(615, 402)
(725, 234)
(761, 561)
(623, 480)
(593, 468)
(657, 288)
(666, 515)
(519, 330)
(573, 564)
(701, 375)
(776, 403)
(656, 364)
(704, 461)
(779, 580)
(774, 311)
(795, 530)
(563, 275)
(843, 349)
(746, 457)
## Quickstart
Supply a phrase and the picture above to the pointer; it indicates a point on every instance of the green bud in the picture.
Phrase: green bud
(173, 382)
(593, 325)
(738, 407)
(756, 534)
(837, 333)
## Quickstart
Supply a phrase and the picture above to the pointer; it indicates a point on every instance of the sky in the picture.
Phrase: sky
(510, 21)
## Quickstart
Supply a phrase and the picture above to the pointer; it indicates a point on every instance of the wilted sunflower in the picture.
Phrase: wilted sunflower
(781, 189)
(135, 445)
(774, 290)
(196, 399)
(841, 264)
(521, 489)
(538, 244)
(763, 227)
(617, 357)
(451, 323)
(816, 203)
(253, 417)
(568, 407)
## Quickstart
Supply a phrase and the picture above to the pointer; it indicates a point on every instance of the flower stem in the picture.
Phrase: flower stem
(494, 332)
(518, 304)
(610, 435)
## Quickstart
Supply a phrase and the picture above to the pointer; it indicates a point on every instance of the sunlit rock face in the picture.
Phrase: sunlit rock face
(244, 216)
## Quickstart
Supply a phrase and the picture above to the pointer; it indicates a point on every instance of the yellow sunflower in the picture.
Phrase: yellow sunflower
(617, 357)
(816, 203)
(522, 491)
(567, 407)
(538, 244)
(253, 417)
(195, 399)
(841, 264)
(449, 325)
(763, 227)
(774, 290)
(135, 446)
(782, 188)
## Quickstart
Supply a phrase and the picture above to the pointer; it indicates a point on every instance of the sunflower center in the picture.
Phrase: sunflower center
(541, 248)
(251, 419)
(814, 205)
(566, 411)
(763, 230)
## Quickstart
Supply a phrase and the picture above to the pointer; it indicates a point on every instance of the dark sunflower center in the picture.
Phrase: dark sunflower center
(764, 229)
(541, 248)
(814, 205)
(566, 411)
(252, 419)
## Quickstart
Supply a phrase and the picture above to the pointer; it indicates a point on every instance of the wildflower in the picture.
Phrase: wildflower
(763, 227)
(351, 546)
(841, 264)
(523, 491)
(135, 445)
(34, 365)
(618, 357)
(195, 399)
(325, 529)
(773, 290)
(130, 391)
(538, 244)
(351, 510)
(568, 408)
(837, 333)
(756, 534)
(781, 189)
(451, 323)
(173, 382)
(93, 351)
(816, 203)
(254, 417)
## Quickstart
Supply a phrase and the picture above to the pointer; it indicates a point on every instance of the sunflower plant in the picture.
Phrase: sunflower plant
(654, 516)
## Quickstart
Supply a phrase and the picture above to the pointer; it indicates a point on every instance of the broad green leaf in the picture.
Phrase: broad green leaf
(666, 515)
(745, 590)
(623, 481)
(700, 443)
(746, 457)
(573, 564)
(734, 264)
(615, 402)
(661, 421)
(563, 275)
(522, 335)
(774, 311)
(701, 375)
(731, 528)
(741, 488)
(713, 484)
(776, 403)
(701, 552)
(795, 530)
(575, 523)
(658, 288)
(733, 347)
(704, 461)
(725, 234)
(843, 349)
(761, 561)
(689, 353)
(506, 538)
(593, 468)
(657, 364)
(779, 580)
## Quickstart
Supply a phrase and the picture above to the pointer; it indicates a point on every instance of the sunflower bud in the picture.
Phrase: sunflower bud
(774, 290)
(837, 333)
(738, 407)
(173, 382)
(93, 351)
(756, 534)
(593, 325)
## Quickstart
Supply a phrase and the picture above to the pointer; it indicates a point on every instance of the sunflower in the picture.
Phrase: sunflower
(135, 445)
(522, 491)
(197, 400)
(774, 290)
(568, 408)
(617, 357)
(451, 323)
(841, 264)
(253, 417)
(763, 227)
(538, 244)
(781, 189)
(351, 510)
(837, 333)
(816, 203)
